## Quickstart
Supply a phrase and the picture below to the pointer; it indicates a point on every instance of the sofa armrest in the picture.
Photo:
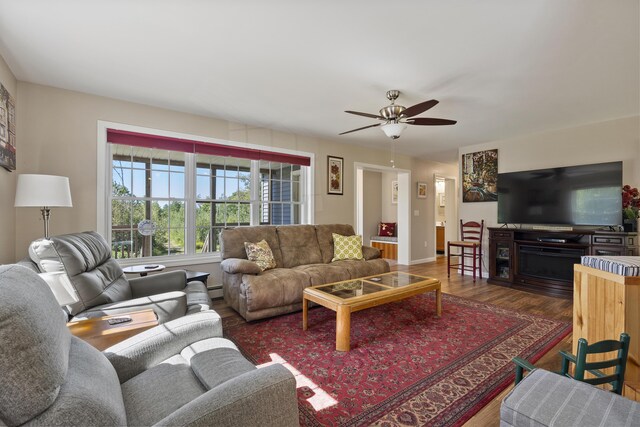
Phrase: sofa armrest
(140, 352)
(264, 397)
(239, 265)
(369, 252)
(158, 283)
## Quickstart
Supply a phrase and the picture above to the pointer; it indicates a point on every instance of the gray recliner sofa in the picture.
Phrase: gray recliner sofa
(102, 287)
(181, 373)
(303, 255)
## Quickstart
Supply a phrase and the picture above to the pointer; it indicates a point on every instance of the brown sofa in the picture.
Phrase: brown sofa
(303, 256)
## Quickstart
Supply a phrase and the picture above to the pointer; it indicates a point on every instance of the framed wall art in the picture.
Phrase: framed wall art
(7, 130)
(335, 175)
(480, 176)
(422, 190)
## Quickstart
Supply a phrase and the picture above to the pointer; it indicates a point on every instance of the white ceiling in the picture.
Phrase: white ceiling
(502, 68)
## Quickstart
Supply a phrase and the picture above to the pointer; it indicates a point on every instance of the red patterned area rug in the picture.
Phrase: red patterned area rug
(406, 367)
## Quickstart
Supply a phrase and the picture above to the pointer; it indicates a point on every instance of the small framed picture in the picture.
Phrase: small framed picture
(394, 192)
(422, 190)
(335, 177)
(441, 199)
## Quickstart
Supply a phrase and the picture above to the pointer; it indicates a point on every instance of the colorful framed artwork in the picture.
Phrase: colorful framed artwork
(394, 192)
(7, 130)
(335, 175)
(422, 190)
(480, 176)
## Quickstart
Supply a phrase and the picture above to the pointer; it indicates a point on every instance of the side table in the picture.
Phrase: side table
(143, 270)
(99, 333)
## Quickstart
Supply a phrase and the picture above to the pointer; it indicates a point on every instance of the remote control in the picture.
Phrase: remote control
(148, 267)
(118, 320)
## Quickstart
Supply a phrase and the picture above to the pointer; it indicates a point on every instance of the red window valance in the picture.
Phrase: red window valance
(123, 137)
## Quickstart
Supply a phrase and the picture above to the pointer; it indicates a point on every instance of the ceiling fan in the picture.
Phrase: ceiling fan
(396, 117)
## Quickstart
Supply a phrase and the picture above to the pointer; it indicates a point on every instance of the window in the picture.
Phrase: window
(165, 202)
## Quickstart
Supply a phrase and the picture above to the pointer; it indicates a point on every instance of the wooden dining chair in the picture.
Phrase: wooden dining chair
(618, 363)
(470, 247)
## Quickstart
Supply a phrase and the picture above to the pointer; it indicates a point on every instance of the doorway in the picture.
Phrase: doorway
(403, 206)
(446, 212)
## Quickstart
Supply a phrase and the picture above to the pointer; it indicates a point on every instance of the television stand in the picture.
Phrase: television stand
(541, 261)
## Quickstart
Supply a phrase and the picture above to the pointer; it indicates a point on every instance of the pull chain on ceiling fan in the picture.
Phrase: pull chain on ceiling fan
(396, 117)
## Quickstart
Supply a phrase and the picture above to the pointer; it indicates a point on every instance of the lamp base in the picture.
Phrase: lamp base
(46, 214)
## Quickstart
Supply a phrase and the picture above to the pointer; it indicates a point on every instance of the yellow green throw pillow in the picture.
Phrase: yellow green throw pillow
(347, 247)
(261, 254)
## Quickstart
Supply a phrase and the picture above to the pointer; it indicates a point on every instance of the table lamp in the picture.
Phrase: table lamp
(44, 191)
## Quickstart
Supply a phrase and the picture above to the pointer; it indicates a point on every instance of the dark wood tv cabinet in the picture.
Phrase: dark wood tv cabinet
(542, 261)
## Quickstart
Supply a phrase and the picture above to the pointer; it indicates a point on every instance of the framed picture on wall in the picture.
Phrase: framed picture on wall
(422, 190)
(480, 176)
(335, 175)
(394, 192)
(441, 199)
(7, 130)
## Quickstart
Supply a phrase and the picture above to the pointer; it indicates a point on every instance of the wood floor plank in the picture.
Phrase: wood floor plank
(463, 286)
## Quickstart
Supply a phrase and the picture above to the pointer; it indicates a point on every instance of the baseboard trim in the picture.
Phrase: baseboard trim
(422, 261)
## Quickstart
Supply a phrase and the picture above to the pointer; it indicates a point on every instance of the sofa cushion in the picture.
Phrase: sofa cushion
(232, 241)
(387, 229)
(324, 233)
(34, 366)
(96, 277)
(274, 288)
(299, 245)
(347, 247)
(216, 366)
(261, 254)
(319, 274)
(159, 391)
(363, 268)
(90, 394)
(44, 255)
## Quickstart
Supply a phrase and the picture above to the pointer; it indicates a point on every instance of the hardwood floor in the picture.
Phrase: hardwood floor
(463, 286)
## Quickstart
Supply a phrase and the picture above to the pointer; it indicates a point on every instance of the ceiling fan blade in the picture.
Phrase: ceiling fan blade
(366, 127)
(425, 121)
(419, 108)
(373, 116)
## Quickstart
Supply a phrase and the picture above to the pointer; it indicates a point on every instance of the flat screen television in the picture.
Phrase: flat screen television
(572, 195)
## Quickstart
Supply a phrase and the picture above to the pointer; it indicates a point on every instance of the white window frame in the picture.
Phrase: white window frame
(104, 179)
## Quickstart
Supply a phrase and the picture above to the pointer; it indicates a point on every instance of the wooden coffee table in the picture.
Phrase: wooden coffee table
(349, 296)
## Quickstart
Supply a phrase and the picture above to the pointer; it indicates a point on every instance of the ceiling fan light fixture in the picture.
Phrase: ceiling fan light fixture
(393, 130)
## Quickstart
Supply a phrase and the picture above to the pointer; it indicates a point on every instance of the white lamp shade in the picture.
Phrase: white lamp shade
(393, 130)
(61, 287)
(42, 190)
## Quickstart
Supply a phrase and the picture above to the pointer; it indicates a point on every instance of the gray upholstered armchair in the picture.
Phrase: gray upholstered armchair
(180, 373)
(102, 286)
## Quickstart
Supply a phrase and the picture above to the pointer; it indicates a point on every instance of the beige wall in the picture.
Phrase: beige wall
(8, 179)
(61, 127)
(423, 238)
(608, 141)
(372, 202)
(389, 210)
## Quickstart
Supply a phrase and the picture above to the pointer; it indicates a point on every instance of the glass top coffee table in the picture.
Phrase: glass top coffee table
(349, 296)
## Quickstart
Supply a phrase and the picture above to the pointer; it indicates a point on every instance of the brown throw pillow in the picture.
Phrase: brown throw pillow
(261, 254)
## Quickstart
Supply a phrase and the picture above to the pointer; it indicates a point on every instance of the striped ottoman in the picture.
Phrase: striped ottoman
(621, 265)
(547, 399)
